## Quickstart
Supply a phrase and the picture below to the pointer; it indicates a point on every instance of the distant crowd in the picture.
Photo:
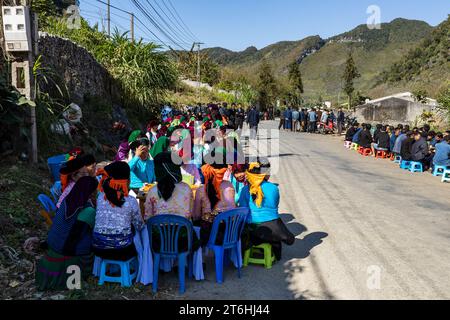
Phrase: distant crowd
(421, 145)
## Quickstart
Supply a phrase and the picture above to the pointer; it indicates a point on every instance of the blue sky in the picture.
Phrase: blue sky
(238, 24)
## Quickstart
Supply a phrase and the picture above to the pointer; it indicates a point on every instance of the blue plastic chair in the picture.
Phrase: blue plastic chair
(398, 159)
(47, 203)
(56, 191)
(126, 276)
(439, 171)
(416, 167)
(234, 221)
(55, 164)
(169, 228)
(406, 165)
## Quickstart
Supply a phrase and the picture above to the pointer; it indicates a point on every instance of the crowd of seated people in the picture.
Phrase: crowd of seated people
(417, 144)
(99, 212)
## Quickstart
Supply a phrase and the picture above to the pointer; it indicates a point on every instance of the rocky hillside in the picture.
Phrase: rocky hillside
(322, 60)
(424, 67)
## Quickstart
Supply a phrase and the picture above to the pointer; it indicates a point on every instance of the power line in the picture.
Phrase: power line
(168, 28)
(152, 21)
(180, 19)
(182, 32)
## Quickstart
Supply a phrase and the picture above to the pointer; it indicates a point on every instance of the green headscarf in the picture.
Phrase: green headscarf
(162, 145)
(133, 136)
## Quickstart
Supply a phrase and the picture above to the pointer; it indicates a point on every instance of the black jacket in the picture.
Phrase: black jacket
(406, 150)
(350, 134)
(365, 139)
(253, 117)
(384, 141)
(419, 150)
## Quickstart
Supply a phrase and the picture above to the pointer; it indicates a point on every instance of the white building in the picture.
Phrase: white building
(398, 108)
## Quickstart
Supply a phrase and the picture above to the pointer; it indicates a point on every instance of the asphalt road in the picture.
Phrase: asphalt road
(365, 230)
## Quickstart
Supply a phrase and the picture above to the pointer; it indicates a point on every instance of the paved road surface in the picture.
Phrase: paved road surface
(355, 218)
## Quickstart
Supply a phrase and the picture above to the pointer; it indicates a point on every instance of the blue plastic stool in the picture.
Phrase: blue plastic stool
(126, 277)
(234, 221)
(55, 164)
(446, 176)
(416, 167)
(439, 170)
(169, 228)
(406, 165)
(398, 159)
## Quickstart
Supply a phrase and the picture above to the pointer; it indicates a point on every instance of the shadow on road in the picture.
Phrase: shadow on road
(294, 257)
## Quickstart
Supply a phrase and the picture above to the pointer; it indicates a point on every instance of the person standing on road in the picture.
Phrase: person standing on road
(340, 121)
(312, 117)
(239, 118)
(253, 122)
(282, 120)
(295, 119)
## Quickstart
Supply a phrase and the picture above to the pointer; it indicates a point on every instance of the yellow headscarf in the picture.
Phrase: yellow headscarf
(255, 181)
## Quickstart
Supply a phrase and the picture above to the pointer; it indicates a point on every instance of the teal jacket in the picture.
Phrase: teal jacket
(141, 172)
(269, 207)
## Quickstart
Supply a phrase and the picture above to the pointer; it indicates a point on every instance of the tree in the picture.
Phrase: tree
(188, 65)
(295, 77)
(267, 85)
(45, 9)
(444, 100)
(420, 96)
(350, 74)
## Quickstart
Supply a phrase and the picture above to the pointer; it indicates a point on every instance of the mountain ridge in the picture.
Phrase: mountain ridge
(322, 60)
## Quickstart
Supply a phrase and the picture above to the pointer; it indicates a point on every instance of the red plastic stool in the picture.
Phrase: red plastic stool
(382, 154)
(367, 152)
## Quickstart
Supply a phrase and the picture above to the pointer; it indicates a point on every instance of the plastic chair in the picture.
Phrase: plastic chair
(48, 208)
(439, 170)
(446, 176)
(234, 221)
(416, 167)
(398, 160)
(54, 164)
(267, 261)
(169, 228)
(126, 277)
(405, 165)
(56, 191)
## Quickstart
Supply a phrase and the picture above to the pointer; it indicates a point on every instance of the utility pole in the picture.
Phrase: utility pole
(20, 29)
(198, 44)
(109, 17)
(132, 27)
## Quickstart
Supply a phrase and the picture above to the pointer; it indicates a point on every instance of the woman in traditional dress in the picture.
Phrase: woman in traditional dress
(118, 215)
(263, 199)
(70, 238)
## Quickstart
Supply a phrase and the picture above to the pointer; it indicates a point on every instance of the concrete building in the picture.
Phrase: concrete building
(398, 108)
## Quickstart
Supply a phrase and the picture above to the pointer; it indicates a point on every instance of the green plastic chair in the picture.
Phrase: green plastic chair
(267, 261)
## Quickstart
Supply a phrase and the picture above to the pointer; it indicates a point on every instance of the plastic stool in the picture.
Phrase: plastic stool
(446, 176)
(416, 167)
(126, 277)
(381, 154)
(406, 165)
(398, 159)
(267, 261)
(366, 152)
(439, 171)
(348, 144)
(354, 146)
